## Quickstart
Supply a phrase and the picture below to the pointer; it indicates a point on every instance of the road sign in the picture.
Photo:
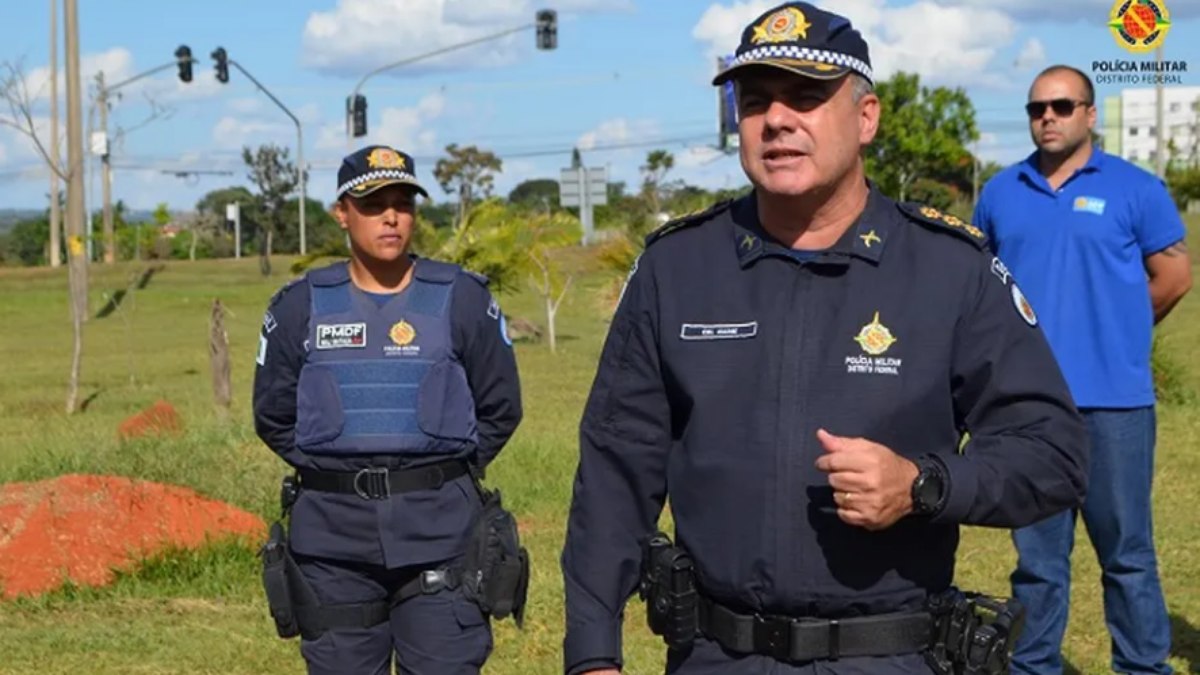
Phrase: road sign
(584, 188)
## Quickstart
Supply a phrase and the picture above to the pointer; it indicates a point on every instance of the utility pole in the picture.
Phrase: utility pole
(183, 60)
(110, 254)
(1159, 145)
(55, 208)
(76, 261)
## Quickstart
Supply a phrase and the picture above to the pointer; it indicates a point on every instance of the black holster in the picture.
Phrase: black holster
(293, 603)
(668, 586)
(974, 634)
(495, 570)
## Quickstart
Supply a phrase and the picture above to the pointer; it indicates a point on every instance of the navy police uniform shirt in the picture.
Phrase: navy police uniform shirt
(725, 356)
(413, 528)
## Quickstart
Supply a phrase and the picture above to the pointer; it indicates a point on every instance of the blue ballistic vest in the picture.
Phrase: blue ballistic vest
(383, 379)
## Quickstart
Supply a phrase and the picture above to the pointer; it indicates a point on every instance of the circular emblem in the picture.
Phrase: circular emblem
(1139, 25)
(875, 338)
(786, 25)
(402, 333)
(1023, 307)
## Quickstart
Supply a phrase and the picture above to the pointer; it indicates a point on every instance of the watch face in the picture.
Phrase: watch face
(927, 491)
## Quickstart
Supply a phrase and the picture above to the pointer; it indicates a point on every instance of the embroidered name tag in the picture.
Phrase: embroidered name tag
(341, 336)
(1090, 204)
(718, 331)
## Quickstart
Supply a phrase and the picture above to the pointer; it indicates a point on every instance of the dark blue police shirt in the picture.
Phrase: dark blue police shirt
(725, 356)
(414, 528)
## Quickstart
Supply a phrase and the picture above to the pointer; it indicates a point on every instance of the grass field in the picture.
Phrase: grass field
(203, 612)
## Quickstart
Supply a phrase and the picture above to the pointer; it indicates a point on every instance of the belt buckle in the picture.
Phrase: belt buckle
(775, 636)
(432, 581)
(373, 483)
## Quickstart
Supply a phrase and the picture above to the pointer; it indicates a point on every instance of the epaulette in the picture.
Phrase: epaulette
(944, 222)
(694, 218)
(481, 278)
(283, 289)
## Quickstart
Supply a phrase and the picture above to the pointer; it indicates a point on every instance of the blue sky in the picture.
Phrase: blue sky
(628, 76)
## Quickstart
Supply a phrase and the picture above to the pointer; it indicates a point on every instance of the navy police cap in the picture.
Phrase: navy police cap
(802, 39)
(373, 167)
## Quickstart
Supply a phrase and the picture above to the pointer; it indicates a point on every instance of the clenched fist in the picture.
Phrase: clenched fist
(872, 485)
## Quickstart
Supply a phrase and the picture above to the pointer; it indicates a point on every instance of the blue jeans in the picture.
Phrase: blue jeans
(1118, 520)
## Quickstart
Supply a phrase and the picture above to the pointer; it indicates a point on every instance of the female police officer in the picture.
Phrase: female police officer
(383, 381)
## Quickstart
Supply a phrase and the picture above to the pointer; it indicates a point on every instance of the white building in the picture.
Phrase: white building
(1129, 124)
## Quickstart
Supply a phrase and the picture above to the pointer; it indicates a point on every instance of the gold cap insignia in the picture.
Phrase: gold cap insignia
(875, 338)
(783, 26)
(385, 158)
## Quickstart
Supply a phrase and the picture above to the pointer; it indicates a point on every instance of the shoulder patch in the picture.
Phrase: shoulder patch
(694, 218)
(944, 222)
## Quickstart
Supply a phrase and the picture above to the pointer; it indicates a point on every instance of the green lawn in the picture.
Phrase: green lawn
(203, 612)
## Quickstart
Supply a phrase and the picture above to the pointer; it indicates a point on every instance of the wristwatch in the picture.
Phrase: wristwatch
(929, 487)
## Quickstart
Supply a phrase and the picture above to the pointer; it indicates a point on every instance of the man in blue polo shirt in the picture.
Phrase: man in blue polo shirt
(1098, 247)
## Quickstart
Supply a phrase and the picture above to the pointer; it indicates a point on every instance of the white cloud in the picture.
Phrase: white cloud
(1032, 55)
(358, 36)
(116, 63)
(408, 129)
(969, 37)
(617, 131)
(232, 133)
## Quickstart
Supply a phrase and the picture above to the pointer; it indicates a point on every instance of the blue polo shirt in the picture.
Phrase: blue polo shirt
(1078, 253)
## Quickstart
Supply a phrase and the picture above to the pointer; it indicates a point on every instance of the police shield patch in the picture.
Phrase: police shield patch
(341, 336)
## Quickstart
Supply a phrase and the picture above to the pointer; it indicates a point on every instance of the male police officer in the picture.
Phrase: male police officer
(383, 381)
(795, 370)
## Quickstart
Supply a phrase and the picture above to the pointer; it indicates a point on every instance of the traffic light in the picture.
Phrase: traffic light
(356, 107)
(183, 56)
(222, 65)
(547, 29)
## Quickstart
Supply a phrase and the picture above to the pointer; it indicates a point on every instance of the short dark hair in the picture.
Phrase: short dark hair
(1088, 88)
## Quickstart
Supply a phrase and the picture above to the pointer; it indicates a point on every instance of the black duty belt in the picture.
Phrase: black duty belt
(382, 482)
(788, 639)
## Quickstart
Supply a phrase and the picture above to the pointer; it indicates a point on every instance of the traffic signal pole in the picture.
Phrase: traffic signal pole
(299, 149)
(547, 25)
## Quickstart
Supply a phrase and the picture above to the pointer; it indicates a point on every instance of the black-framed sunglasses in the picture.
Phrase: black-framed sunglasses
(1062, 107)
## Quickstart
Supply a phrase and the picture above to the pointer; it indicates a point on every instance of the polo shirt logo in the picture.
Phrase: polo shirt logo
(1090, 205)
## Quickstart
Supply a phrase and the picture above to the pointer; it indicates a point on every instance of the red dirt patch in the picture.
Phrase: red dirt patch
(83, 528)
(160, 418)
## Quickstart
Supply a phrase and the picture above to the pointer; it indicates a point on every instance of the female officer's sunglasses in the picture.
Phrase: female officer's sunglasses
(1062, 107)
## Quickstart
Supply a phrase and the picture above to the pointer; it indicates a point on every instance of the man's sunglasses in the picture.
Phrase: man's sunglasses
(1062, 107)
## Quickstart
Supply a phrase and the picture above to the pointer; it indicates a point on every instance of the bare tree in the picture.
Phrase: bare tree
(14, 91)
